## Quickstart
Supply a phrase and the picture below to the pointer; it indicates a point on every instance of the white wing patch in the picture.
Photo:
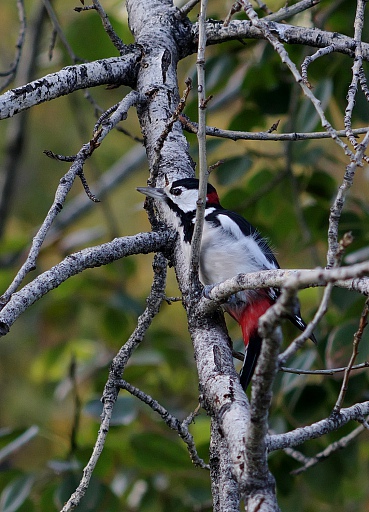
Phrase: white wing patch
(230, 226)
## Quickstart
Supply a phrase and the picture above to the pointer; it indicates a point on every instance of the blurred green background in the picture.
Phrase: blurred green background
(55, 360)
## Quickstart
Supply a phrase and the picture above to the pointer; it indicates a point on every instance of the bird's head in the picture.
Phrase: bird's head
(181, 194)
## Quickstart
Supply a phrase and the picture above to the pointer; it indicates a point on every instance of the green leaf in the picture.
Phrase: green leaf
(16, 440)
(125, 410)
(307, 117)
(233, 169)
(15, 493)
(321, 185)
(98, 497)
(158, 453)
(302, 361)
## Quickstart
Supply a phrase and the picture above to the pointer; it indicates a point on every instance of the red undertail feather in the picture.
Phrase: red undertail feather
(249, 317)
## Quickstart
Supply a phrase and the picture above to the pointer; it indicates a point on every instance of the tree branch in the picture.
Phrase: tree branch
(298, 436)
(238, 30)
(73, 264)
(219, 293)
(118, 365)
(173, 423)
(115, 70)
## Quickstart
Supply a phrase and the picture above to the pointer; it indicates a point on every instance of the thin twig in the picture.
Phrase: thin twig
(119, 363)
(59, 31)
(60, 158)
(328, 371)
(311, 58)
(322, 427)
(279, 48)
(168, 128)
(236, 7)
(337, 207)
(115, 39)
(185, 9)
(64, 187)
(356, 67)
(192, 127)
(338, 445)
(291, 10)
(201, 137)
(322, 309)
(180, 427)
(11, 72)
(142, 243)
(355, 350)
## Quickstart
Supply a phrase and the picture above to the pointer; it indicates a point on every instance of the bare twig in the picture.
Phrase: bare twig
(333, 447)
(60, 158)
(356, 67)
(299, 279)
(311, 58)
(86, 187)
(185, 9)
(236, 7)
(174, 117)
(11, 72)
(322, 309)
(59, 31)
(201, 137)
(115, 39)
(329, 371)
(180, 427)
(76, 263)
(337, 207)
(298, 436)
(192, 127)
(355, 350)
(279, 48)
(112, 386)
(291, 10)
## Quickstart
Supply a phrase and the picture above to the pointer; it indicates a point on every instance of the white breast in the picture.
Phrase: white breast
(226, 252)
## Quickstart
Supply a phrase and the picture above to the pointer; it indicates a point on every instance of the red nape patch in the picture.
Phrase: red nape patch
(249, 317)
(212, 198)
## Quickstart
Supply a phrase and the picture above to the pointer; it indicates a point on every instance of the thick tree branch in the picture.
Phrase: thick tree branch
(112, 71)
(298, 436)
(314, 37)
(73, 264)
(102, 129)
(278, 278)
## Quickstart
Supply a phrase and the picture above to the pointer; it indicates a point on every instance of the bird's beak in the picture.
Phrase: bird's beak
(156, 193)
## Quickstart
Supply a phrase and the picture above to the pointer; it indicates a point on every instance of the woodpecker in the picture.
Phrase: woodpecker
(230, 245)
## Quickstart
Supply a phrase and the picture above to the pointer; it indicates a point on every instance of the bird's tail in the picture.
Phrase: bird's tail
(252, 352)
(248, 320)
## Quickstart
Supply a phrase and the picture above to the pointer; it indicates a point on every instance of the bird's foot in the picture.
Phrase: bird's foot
(206, 290)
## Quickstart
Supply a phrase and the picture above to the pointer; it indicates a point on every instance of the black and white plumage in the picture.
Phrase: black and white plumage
(230, 245)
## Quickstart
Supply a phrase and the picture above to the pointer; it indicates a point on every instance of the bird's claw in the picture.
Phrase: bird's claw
(206, 290)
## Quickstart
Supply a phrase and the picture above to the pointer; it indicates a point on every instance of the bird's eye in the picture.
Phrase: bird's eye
(176, 191)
